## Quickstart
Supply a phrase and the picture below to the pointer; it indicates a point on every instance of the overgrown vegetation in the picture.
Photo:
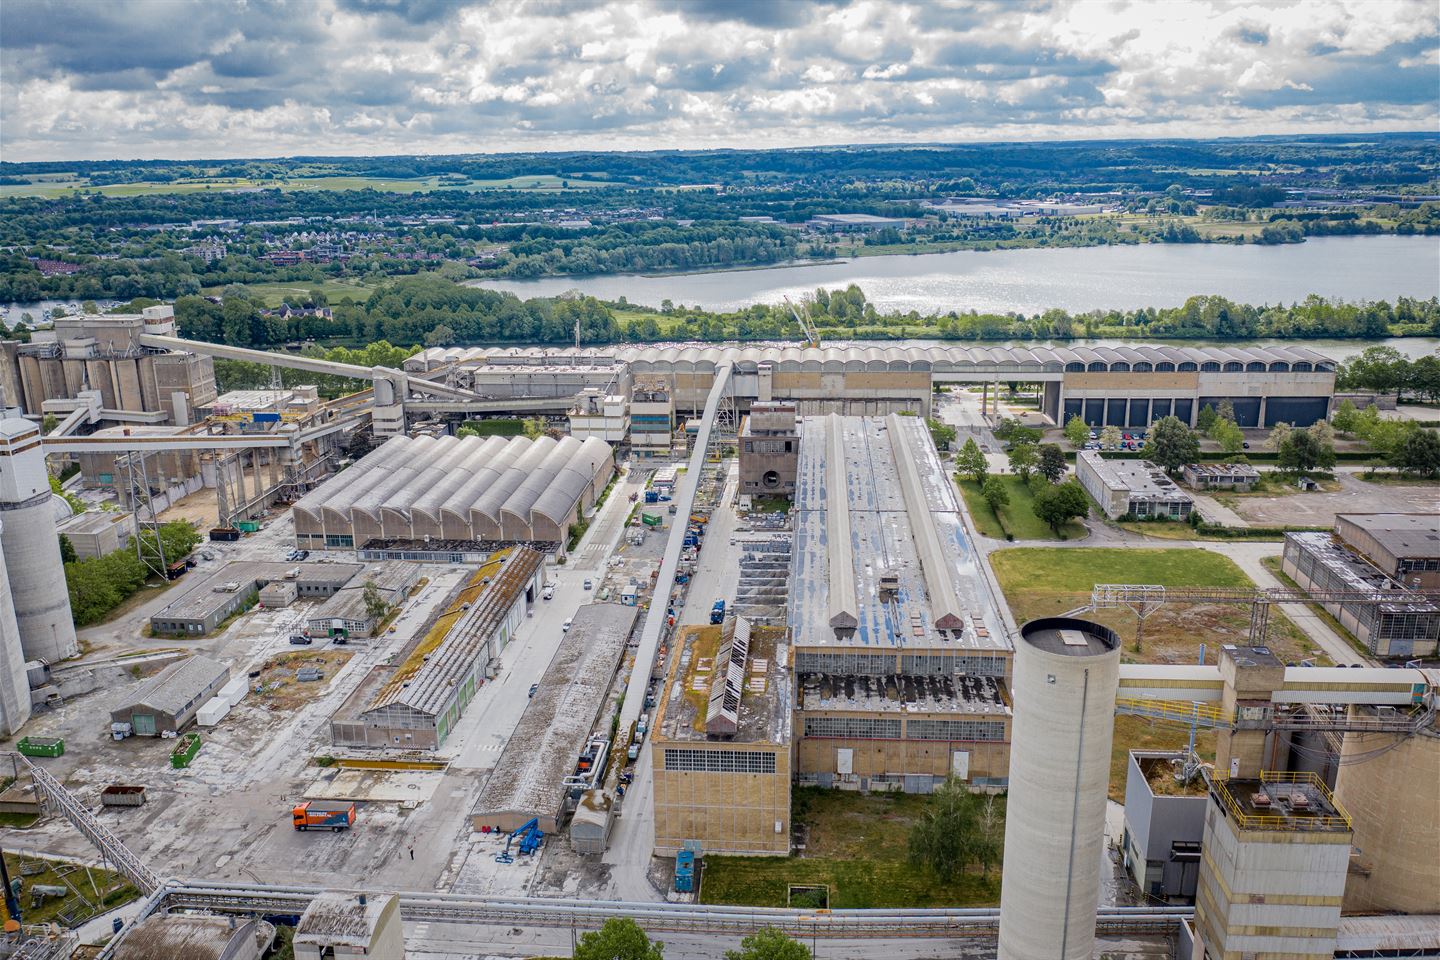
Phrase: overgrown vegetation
(98, 585)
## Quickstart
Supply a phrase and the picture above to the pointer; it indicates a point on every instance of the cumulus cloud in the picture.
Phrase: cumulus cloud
(216, 78)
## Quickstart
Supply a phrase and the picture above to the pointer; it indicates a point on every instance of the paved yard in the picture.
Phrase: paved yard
(1355, 496)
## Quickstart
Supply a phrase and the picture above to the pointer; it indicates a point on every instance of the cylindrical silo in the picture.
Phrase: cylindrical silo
(1387, 785)
(32, 547)
(1066, 672)
(14, 679)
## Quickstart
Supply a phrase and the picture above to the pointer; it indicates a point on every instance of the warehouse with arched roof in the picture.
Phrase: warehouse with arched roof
(470, 489)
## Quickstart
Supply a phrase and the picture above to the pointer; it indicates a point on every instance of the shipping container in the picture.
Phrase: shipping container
(212, 712)
(224, 533)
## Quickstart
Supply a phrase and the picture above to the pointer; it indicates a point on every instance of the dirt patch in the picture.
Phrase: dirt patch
(279, 690)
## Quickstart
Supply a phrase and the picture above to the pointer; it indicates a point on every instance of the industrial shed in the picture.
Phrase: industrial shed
(230, 589)
(168, 936)
(416, 703)
(346, 612)
(461, 489)
(528, 778)
(168, 701)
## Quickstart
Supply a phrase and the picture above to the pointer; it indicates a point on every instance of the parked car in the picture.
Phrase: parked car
(533, 688)
(589, 583)
(300, 640)
(565, 627)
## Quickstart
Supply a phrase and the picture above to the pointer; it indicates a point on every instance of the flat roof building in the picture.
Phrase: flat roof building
(1131, 488)
(1220, 476)
(900, 656)
(855, 222)
(234, 586)
(343, 926)
(95, 533)
(721, 743)
(416, 702)
(1405, 546)
(566, 710)
(1164, 824)
(1404, 626)
(168, 701)
(1277, 849)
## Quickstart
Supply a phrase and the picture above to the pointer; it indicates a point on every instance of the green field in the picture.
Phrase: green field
(93, 891)
(58, 185)
(1019, 516)
(856, 846)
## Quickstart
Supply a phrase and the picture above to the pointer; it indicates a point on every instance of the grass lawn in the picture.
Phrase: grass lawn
(93, 891)
(1019, 517)
(856, 845)
(769, 504)
(1142, 733)
(1047, 581)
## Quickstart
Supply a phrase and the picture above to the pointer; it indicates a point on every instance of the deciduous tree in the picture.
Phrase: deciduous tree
(1023, 459)
(971, 462)
(1056, 505)
(1051, 464)
(995, 494)
(619, 939)
(769, 944)
(1077, 431)
(1418, 453)
(1171, 444)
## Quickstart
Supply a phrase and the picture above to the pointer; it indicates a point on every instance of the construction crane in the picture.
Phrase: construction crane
(807, 326)
(1145, 599)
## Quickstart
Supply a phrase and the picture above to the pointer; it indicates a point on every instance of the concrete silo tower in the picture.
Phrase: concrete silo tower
(31, 546)
(14, 684)
(1066, 673)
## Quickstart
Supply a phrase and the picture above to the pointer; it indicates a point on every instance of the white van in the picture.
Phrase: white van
(547, 592)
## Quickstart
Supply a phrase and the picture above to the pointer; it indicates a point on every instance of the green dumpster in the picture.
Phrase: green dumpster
(185, 751)
(41, 746)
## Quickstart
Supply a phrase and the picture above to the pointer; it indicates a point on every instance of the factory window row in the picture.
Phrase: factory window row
(1417, 565)
(860, 664)
(955, 730)
(719, 761)
(944, 664)
(853, 728)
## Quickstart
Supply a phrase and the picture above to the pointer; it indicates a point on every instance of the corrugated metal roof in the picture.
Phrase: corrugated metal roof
(175, 687)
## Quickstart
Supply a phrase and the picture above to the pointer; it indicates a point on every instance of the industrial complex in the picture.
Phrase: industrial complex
(519, 639)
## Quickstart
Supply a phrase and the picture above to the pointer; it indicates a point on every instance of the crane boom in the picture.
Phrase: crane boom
(807, 326)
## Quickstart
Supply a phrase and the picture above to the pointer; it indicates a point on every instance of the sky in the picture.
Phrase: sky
(102, 79)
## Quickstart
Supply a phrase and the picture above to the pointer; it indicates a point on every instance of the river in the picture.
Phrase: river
(1076, 279)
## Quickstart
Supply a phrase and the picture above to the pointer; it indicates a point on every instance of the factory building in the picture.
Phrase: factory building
(1388, 787)
(652, 418)
(769, 448)
(604, 416)
(347, 613)
(495, 490)
(1407, 627)
(95, 533)
(721, 736)
(528, 781)
(168, 701)
(1066, 675)
(1164, 824)
(104, 353)
(31, 547)
(899, 650)
(1123, 386)
(343, 926)
(1277, 848)
(1404, 546)
(417, 701)
(1131, 488)
(1220, 476)
(232, 588)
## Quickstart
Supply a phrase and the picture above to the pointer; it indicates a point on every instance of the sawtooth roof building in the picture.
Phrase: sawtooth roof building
(419, 489)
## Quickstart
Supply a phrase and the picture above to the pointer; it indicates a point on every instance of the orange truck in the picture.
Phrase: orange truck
(323, 815)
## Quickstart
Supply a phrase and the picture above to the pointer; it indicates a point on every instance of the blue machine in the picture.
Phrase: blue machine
(717, 612)
(685, 871)
(652, 496)
(530, 836)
